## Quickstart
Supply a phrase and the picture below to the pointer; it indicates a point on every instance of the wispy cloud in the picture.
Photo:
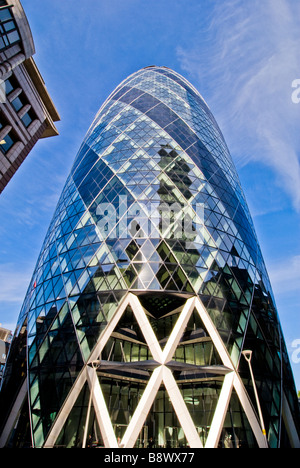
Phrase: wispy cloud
(247, 65)
(13, 284)
(285, 276)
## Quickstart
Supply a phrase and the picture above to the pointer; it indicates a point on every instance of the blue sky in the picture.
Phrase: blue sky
(242, 56)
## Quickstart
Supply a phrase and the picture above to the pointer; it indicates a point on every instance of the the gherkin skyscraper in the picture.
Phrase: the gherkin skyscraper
(150, 315)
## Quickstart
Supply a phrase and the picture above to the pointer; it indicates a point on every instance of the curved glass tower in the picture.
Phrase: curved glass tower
(150, 294)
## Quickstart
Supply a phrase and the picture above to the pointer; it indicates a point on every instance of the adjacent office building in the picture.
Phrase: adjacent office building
(5, 340)
(27, 112)
(150, 318)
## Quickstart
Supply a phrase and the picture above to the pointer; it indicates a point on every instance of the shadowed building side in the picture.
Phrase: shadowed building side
(27, 112)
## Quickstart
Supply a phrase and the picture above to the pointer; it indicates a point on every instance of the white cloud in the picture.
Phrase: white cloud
(285, 276)
(250, 59)
(13, 283)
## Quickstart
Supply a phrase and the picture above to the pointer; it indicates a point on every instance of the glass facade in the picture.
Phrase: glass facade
(149, 286)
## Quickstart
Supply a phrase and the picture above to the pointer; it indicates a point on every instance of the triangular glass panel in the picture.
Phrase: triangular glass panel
(130, 275)
(163, 312)
(145, 273)
(132, 249)
(148, 249)
(171, 286)
(196, 348)
(155, 258)
(154, 285)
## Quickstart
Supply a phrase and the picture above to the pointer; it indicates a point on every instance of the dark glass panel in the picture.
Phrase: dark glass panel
(237, 432)
(17, 103)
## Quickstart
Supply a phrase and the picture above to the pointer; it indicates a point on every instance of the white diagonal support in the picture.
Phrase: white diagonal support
(214, 335)
(102, 415)
(82, 378)
(178, 330)
(162, 374)
(65, 410)
(220, 412)
(146, 328)
(237, 382)
(249, 411)
(108, 330)
(143, 408)
(181, 410)
(289, 423)
(13, 415)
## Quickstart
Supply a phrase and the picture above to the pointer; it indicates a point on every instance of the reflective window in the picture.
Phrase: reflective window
(9, 34)
(18, 103)
(11, 84)
(9, 140)
(28, 118)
